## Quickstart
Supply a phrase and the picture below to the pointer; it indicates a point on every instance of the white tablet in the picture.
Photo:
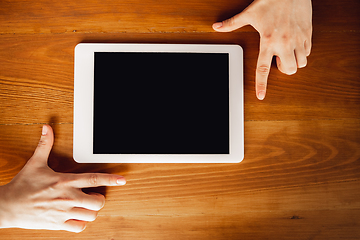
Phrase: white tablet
(158, 103)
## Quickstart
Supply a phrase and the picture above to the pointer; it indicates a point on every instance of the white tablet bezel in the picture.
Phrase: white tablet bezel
(84, 93)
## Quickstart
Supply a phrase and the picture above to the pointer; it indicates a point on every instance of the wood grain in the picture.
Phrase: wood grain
(39, 76)
(301, 172)
(132, 16)
(296, 176)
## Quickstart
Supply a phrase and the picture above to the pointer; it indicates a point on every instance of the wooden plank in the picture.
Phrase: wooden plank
(114, 16)
(132, 16)
(320, 225)
(298, 178)
(36, 76)
(333, 16)
(302, 152)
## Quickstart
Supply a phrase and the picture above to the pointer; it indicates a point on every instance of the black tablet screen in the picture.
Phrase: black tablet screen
(161, 103)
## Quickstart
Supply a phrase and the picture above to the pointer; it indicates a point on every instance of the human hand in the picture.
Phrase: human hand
(39, 198)
(285, 28)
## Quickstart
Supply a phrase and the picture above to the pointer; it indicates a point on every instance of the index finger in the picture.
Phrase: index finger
(87, 180)
(262, 71)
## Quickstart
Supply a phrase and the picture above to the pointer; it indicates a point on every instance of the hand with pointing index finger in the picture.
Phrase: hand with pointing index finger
(285, 28)
(39, 198)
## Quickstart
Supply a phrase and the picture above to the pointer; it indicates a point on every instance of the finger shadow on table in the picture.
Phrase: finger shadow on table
(231, 12)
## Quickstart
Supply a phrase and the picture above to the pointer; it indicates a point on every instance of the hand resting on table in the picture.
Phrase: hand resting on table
(39, 198)
(285, 28)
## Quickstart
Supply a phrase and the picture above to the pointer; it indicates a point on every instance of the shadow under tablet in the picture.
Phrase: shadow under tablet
(161, 103)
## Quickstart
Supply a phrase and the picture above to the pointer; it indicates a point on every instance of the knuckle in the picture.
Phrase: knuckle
(230, 22)
(111, 180)
(93, 179)
(263, 70)
(267, 36)
(285, 37)
(42, 142)
(261, 86)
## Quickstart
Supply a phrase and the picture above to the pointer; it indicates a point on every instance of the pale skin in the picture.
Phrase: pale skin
(39, 198)
(285, 28)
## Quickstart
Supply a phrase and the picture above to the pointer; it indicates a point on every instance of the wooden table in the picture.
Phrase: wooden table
(300, 178)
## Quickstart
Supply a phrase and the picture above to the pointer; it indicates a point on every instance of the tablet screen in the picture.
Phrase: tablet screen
(161, 103)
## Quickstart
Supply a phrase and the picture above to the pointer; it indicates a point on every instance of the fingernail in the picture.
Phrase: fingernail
(261, 95)
(44, 130)
(121, 181)
(217, 25)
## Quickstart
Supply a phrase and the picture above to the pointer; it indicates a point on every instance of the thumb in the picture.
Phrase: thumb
(43, 149)
(238, 21)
